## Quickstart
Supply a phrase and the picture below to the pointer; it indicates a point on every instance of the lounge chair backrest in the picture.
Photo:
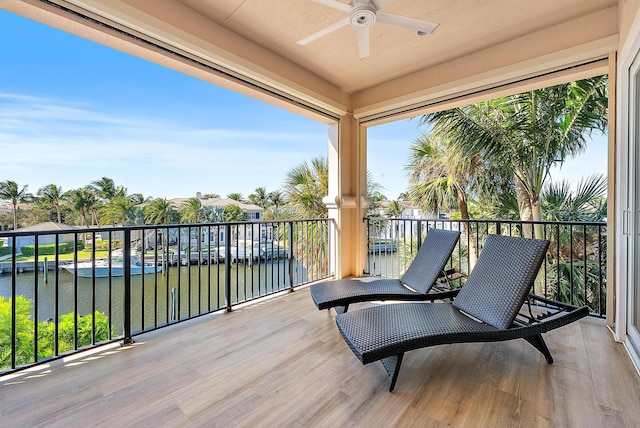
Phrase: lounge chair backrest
(431, 259)
(501, 279)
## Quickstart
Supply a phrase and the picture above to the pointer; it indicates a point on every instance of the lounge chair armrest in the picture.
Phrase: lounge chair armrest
(550, 314)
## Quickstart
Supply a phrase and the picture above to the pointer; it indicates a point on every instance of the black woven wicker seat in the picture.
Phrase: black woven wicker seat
(487, 309)
(415, 284)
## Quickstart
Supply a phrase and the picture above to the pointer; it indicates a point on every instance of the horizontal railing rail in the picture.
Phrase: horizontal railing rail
(574, 269)
(68, 290)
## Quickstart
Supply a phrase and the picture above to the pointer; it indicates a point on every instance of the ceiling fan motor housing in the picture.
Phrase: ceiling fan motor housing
(362, 15)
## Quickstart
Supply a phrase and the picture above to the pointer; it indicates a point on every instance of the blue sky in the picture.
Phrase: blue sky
(73, 111)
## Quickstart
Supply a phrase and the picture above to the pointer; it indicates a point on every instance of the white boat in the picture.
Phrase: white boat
(101, 267)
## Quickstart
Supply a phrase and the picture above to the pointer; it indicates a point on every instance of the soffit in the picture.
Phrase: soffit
(466, 26)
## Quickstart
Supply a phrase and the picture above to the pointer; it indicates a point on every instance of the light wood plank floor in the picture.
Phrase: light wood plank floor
(283, 363)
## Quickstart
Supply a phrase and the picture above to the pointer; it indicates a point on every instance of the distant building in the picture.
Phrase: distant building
(253, 211)
(22, 241)
(216, 236)
(409, 211)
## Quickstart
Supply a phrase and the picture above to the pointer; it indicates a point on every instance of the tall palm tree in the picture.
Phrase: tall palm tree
(210, 196)
(191, 210)
(120, 210)
(528, 133)
(276, 198)
(306, 185)
(10, 191)
(394, 209)
(260, 197)
(52, 195)
(106, 189)
(84, 201)
(160, 211)
(236, 197)
(137, 198)
(444, 179)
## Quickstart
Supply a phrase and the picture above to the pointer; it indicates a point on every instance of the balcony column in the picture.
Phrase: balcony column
(347, 202)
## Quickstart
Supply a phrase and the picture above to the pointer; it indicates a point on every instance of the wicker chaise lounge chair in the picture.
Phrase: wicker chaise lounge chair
(415, 284)
(486, 309)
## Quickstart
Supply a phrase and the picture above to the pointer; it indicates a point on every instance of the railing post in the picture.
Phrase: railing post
(291, 255)
(127, 287)
(369, 237)
(419, 243)
(14, 269)
(227, 266)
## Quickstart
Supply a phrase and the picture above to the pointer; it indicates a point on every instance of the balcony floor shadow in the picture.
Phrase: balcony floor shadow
(281, 362)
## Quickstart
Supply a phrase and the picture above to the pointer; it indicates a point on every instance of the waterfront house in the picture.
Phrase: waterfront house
(44, 239)
(283, 363)
(216, 236)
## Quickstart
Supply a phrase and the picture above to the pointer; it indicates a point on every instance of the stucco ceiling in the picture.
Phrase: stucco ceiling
(466, 26)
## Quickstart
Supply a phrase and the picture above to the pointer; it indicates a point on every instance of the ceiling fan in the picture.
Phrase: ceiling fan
(362, 15)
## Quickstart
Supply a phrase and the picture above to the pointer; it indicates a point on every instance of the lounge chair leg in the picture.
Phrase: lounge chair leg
(392, 366)
(341, 309)
(538, 343)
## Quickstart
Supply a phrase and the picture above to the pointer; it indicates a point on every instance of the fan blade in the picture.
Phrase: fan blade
(334, 4)
(403, 21)
(381, 3)
(363, 42)
(324, 31)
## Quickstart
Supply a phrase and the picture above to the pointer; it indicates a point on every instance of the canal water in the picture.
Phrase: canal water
(156, 299)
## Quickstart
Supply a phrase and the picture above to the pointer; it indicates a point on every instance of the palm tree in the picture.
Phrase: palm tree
(106, 189)
(10, 191)
(394, 209)
(191, 210)
(212, 214)
(236, 197)
(306, 185)
(444, 179)
(276, 201)
(572, 256)
(528, 133)
(276, 198)
(52, 195)
(210, 196)
(137, 198)
(260, 197)
(84, 201)
(120, 210)
(586, 204)
(233, 212)
(160, 211)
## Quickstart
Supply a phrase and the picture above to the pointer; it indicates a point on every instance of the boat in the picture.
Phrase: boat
(100, 269)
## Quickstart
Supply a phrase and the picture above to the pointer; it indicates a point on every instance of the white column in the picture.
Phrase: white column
(346, 200)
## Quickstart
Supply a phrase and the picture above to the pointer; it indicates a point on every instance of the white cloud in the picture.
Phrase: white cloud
(52, 141)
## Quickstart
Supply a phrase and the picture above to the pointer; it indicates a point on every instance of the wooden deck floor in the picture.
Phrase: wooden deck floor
(283, 363)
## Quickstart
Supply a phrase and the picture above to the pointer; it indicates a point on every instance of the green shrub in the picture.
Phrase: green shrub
(46, 333)
(5, 251)
(103, 245)
(48, 249)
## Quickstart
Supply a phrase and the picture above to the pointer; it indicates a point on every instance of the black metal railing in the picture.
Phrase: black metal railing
(574, 270)
(65, 291)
